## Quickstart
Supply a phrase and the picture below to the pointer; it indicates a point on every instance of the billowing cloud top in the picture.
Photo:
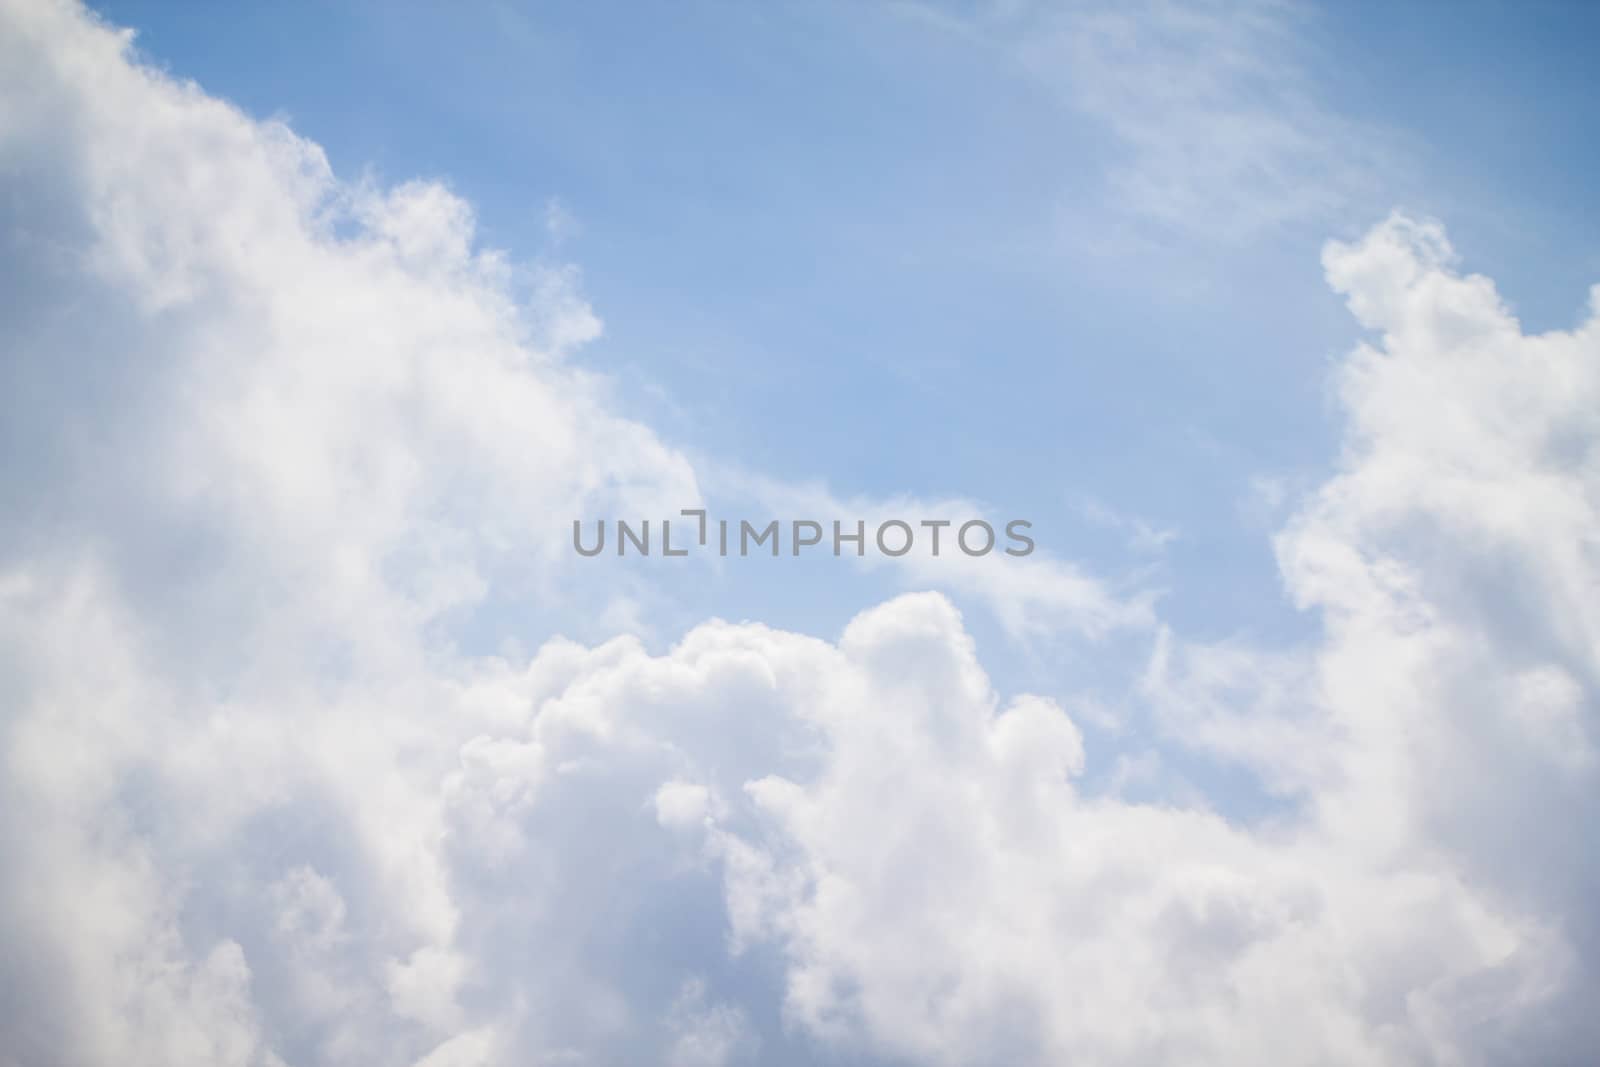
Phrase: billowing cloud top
(270, 437)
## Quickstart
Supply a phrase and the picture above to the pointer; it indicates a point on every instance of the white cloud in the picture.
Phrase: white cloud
(681, 805)
(258, 805)
(1216, 123)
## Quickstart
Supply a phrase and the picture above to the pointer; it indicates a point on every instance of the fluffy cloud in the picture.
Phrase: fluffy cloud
(279, 435)
(273, 436)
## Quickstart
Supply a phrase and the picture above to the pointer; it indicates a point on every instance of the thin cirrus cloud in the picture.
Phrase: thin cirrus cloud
(260, 806)
(1218, 128)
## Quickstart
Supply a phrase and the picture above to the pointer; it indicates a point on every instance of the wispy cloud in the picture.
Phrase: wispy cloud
(1217, 125)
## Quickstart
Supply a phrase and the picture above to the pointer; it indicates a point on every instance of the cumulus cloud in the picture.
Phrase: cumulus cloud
(278, 435)
(273, 436)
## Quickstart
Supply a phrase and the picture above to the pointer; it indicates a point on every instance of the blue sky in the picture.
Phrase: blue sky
(888, 249)
(881, 249)
(318, 747)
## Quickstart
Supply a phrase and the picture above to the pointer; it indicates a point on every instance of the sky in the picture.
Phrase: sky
(322, 323)
(897, 249)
